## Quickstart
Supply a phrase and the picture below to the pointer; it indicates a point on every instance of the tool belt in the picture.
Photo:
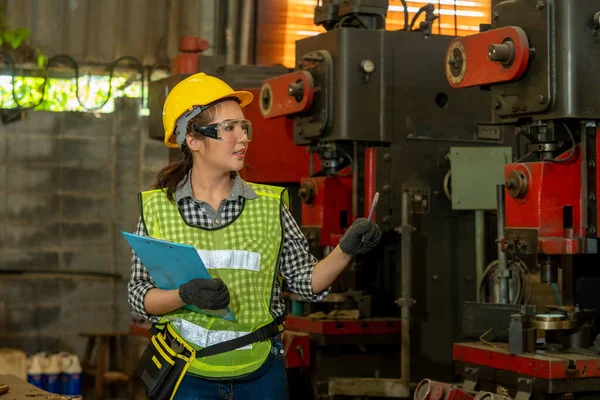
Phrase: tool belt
(164, 364)
(168, 357)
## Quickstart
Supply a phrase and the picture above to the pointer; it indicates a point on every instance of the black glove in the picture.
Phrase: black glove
(208, 294)
(352, 242)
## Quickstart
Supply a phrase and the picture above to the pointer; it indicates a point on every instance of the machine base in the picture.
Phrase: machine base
(339, 357)
(536, 376)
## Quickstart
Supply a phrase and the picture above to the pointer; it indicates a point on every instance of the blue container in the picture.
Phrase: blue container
(53, 384)
(34, 370)
(71, 384)
(71, 375)
(35, 380)
(52, 371)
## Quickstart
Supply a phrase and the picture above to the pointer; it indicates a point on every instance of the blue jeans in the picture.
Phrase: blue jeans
(269, 382)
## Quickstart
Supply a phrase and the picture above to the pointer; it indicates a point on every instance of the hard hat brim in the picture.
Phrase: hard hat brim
(244, 97)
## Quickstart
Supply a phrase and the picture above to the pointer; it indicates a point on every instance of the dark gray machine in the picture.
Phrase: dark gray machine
(539, 62)
(376, 104)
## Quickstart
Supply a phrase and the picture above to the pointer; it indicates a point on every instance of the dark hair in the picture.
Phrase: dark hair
(171, 176)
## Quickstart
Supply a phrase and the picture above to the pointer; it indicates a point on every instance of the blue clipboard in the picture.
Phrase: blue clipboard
(171, 265)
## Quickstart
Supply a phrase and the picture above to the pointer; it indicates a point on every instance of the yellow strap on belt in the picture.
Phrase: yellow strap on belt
(161, 350)
(188, 360)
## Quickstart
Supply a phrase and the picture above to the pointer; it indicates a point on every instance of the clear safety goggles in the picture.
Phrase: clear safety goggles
(231, 130)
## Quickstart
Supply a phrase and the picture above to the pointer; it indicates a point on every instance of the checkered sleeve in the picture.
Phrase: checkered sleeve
(297, 264)
(139, 281)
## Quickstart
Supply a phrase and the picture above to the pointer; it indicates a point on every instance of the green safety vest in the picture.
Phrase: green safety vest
(244, 254)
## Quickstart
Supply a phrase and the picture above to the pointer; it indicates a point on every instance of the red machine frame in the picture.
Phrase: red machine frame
(552, 205)
(296, 347)
(331, 198)
(273, 157)
(550, 188)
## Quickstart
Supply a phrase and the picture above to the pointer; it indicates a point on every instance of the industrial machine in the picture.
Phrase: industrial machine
(377, 114)
(538, 62)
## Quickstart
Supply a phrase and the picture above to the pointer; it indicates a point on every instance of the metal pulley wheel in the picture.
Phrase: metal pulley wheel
(553, 322)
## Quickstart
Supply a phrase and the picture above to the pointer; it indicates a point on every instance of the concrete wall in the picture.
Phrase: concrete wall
(68, 185)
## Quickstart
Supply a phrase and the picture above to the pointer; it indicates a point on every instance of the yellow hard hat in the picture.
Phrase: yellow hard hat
(189, 98)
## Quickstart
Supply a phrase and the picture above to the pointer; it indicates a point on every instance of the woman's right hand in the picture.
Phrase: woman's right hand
(208, 294)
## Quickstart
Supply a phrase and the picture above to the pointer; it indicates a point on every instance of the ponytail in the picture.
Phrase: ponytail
(172, 175)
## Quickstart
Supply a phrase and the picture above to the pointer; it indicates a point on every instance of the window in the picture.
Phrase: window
(60, 94)
(456, 18)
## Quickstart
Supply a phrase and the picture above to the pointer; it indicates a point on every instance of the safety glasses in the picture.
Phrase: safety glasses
(231, 130)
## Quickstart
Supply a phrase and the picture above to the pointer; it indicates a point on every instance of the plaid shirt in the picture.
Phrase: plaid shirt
(295, 266)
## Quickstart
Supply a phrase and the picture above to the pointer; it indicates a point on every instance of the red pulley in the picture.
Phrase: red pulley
(287, 94)
(499, 55)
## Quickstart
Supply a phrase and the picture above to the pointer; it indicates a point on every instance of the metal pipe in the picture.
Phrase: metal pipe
(255, 13)
(406, 271)
(503, 274)
(245, 31)
(584, 178)
(355, 175)
(233, 31)
(479, 249)
(173, 33)
(220, 24)
(190, 14)
(370, 182)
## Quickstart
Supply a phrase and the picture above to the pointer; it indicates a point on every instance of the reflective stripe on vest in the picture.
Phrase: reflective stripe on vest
(203, 337)
(244, 254)
(233, 259)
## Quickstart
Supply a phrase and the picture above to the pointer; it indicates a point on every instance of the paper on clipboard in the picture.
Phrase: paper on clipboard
(171, 265)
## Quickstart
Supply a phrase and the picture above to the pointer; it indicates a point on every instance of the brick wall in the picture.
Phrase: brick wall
(68, 185)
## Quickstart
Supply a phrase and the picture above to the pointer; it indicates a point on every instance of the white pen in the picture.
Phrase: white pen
(375, 199)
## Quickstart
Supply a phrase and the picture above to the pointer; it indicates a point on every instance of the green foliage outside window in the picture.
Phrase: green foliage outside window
(61, 93)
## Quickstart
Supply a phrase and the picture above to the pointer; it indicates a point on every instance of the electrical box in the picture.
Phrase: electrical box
(476, 171)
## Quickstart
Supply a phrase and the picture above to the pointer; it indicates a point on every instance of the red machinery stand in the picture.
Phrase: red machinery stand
(552, 373)
(297, 350)
(331, 327)
(304, 337)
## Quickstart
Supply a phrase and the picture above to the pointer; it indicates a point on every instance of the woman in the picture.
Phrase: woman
(247, 238)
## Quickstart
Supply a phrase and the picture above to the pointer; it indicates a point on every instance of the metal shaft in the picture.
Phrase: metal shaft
(568, 280)
(479, 249)
(355, 175)
(503, 272)
(406, 272)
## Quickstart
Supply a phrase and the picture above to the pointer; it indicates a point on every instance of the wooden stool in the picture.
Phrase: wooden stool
(106, 344)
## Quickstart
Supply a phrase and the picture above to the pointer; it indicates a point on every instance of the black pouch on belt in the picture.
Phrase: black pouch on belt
(161, 368)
